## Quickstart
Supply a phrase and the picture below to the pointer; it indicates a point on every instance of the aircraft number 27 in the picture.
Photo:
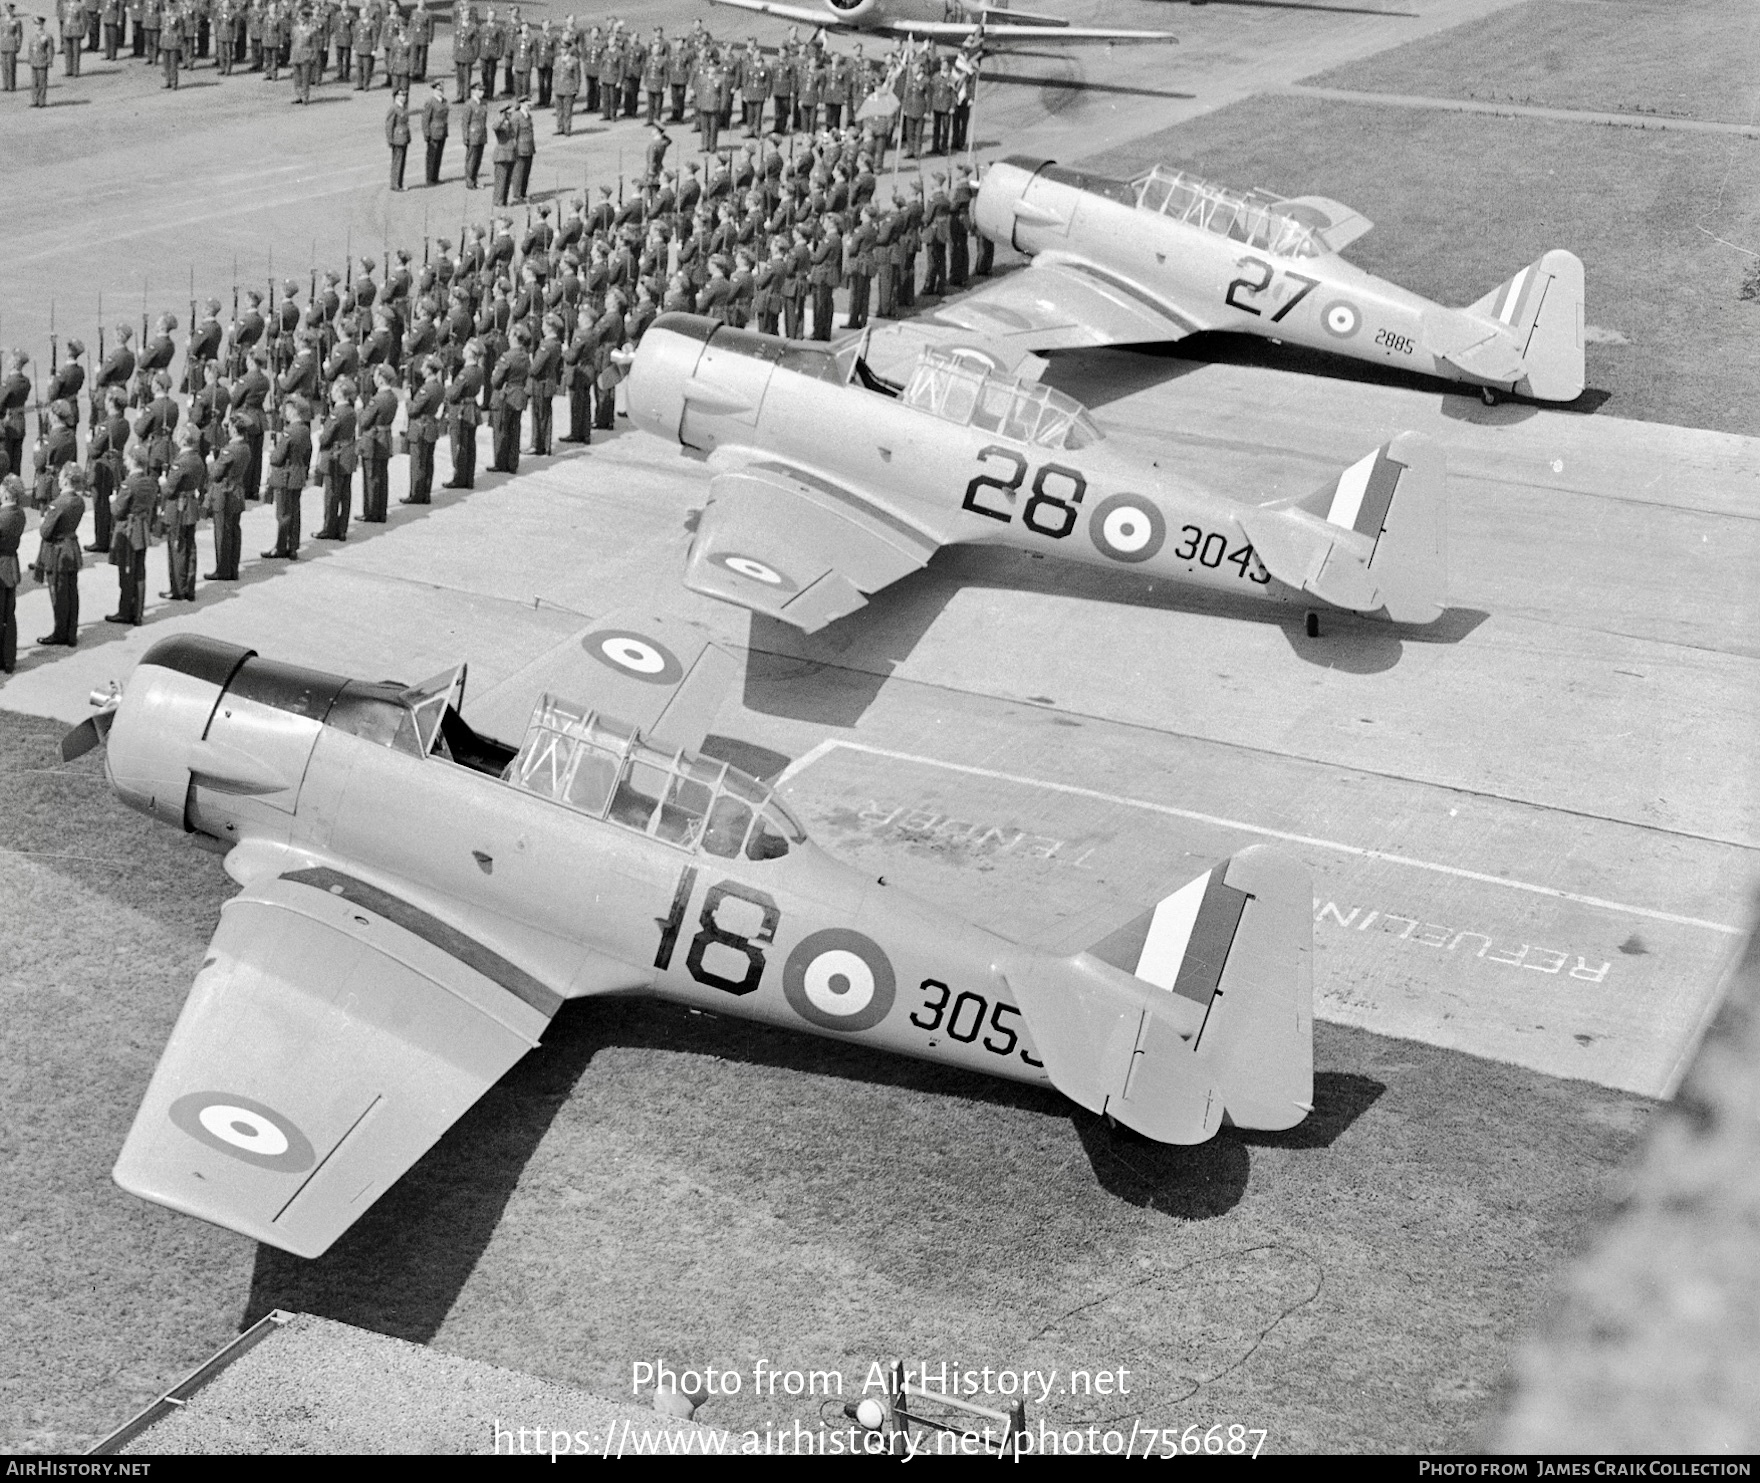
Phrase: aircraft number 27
(1256, 276)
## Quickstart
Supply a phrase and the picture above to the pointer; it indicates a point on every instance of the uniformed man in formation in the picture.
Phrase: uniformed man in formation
(311, 383)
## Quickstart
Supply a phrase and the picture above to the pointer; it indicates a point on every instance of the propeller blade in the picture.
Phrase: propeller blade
(88, 734)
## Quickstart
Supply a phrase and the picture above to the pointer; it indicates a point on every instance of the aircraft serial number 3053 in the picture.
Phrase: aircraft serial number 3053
(832, 482)
(419, 900)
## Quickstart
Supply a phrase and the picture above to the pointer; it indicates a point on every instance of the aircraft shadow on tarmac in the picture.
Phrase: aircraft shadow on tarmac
(1095, 383)
(399, 1270)
(833, 676)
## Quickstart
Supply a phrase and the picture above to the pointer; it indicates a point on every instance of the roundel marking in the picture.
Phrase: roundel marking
(245, 1129)
(753, 570)
(634, 654)
(1341, 318)
(1127, 527)
(839, 980)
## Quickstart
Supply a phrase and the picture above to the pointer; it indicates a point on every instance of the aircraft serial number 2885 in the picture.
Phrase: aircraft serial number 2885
(833, 482)
(420, 899)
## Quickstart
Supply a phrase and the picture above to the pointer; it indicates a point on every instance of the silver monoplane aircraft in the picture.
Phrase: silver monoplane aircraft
(950, 22)
(1119, 262)
(833, 482)
(418, 901)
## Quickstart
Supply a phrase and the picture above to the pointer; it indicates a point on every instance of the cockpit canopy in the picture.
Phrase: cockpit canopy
(960, 389)
(1249, 218)
(607, 770)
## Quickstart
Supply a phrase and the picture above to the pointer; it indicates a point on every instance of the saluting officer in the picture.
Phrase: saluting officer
(132, 511)
(374, 441)
(183, 491)
(226, 477)
(425, 406)
(336, 460)
(12, 523)
(59, 558)
(461, 417)
(289, 461)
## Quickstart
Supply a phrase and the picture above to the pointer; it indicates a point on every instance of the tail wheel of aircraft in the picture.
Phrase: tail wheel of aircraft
(634, 654)
(839, 980)
(1127, 527)
(245, 1129)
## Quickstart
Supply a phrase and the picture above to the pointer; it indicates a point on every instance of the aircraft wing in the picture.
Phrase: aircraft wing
(1066, 305)
(1040, 30)
(1338, 225)
(784, 541)
(334, 1032)
(665, 675)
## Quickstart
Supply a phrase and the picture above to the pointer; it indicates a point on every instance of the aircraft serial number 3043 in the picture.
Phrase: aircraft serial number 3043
(833, 482)
(1054, 515)
(419, 899)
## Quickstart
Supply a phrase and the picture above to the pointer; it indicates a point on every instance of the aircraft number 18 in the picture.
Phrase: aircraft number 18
(1256, 276)
(711, 933)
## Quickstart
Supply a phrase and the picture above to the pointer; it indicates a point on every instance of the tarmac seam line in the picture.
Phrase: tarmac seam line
(1522, 110)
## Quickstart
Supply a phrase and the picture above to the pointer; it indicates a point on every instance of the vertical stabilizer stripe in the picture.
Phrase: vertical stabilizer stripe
(1383, 480)
(1212, 936)
(1509, 302)
(1347, 495)
(1169, 932)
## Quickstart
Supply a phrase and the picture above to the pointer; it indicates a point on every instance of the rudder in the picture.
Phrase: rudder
(1198, 1008)
(1372, 540)
(1541, 309)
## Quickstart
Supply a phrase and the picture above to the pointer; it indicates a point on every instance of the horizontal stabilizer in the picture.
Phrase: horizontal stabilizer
(1201, 1006)
(1336, 224)
(1374, 540)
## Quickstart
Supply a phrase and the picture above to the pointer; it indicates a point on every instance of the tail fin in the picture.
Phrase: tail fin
(1374, 539)
(1539, 314)
(1200, 1007)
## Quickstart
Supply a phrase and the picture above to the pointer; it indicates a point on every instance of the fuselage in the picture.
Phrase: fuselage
(1206, 258)
(957, 454)
(588, 859)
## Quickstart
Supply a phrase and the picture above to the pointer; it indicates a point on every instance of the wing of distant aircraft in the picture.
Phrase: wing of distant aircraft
(664, 675)
(1063, 303)
(874, 16)
(792, 544)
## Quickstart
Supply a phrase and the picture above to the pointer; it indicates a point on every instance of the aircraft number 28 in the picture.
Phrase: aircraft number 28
(1057, 490)
(1256, 276)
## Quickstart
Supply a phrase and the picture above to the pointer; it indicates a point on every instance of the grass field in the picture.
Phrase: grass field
(1673, 58)
(655, 1183)
(1461, 201)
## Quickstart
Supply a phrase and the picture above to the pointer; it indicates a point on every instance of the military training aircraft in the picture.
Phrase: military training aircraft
(833, 482)
(950, 22)
(1166, 255)
(420, 899)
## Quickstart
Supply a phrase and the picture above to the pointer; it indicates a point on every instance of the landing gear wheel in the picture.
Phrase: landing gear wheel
(1488, 396)
(1313, 625)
